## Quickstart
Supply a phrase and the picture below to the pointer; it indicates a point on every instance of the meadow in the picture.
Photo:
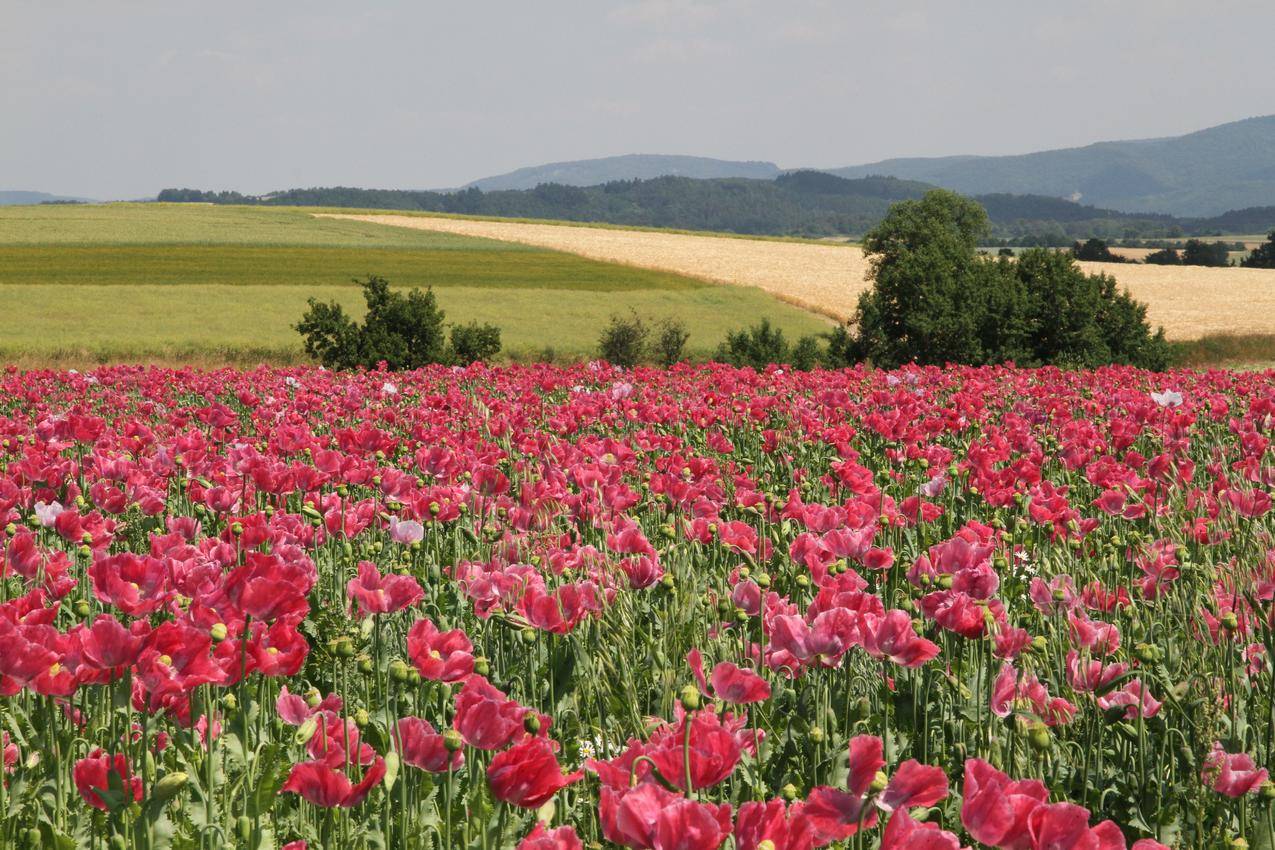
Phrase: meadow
(205, 284)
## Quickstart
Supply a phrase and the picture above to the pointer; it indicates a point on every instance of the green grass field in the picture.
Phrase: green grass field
(211, 284)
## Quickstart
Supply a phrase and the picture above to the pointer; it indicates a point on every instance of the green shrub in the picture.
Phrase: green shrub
(670, 342)
(934, 300)
(758, 346)
(473, 343)
(1199, 253)
(1163, 257)
(1095, 250)
(403, 331)
(623, 342)
(807, 354)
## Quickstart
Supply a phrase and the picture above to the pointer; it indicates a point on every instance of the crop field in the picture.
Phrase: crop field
(201, 283)
(1189, 302)
(562, 607)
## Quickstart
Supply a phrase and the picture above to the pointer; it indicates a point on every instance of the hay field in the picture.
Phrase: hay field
(1189, 301)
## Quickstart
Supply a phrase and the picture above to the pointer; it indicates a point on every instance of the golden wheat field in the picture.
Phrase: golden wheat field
(1189, 302)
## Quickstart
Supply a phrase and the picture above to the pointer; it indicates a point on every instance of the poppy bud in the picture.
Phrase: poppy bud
(1038, 737)
(34, 838)
(945, 581)
(803, 580)
(236, 528)
(763, 580)
(452, 740)
(741, 616)
(816, 734)
(690, 697)
(879, 781)
(168, 787)
(365, 665)
(361, 718)
(243, 826)
(399, 670)
(1000, 562)
(531, 722)
(345, 648)
(1267, 790)
(118, 842)
(481, 666)
(229, 702)
(908, 605)
(86, 552)
(861, 709)
(1146, 653)
(1229, 621)
(218, 631)
(1039, 643)
(528, 635)
(10, 529)
(306, 730)
(82, 608)
(413, 676)
(765, 844)
(883, 520)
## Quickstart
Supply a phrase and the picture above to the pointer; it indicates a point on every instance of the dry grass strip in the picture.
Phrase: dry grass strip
(1189, 302)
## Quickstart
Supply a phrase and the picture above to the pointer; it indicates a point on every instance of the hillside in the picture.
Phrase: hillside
(592, 172)
(800, 203)
(14, 197)
(1200, 174)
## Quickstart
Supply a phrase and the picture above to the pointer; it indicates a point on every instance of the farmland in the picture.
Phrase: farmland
(556, 607)
(191, 283)
(1189, 302)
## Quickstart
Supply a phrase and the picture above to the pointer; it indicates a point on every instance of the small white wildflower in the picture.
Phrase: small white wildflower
(1168, 398)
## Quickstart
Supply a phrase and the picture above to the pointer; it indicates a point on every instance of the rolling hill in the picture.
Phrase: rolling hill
(591, 172)
(16, 197)
(1200, 174)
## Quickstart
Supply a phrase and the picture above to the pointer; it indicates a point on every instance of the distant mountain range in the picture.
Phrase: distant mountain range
(592, 172)
(14, 197)
(1199, 175)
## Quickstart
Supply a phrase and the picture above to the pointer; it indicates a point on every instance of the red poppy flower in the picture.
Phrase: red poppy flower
(420, 746)
(92, 777)
(137, 585)
(267, 586)
(543, 838)
(108, 645)
(902, 832)
(649, 818)
(713, 752)
(528, 774)
(1232, 774)
(785, 827)
(996, 809)
(377, 594)
(329, 787)
(486, 718)
(440, 656)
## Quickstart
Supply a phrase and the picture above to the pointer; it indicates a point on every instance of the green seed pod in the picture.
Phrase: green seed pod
(481, 666)
(1039, 738)
(531, 722)
(229, 702)
(365, 666)
(218, 631)
(391, 770)
(243, 828)
(763, 580)
(452, 740)
(816, 734)
(117, 842)
(789, 792)
(236, 528)
(361, 718)
(82, 608)
(399, 670)
(879, 781)
(528, 635)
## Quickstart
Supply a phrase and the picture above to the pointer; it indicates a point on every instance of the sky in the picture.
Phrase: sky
(120, 99)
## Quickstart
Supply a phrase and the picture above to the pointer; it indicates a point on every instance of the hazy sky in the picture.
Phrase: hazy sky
(124, 97)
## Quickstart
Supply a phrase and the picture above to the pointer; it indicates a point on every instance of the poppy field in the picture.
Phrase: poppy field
(553, 608)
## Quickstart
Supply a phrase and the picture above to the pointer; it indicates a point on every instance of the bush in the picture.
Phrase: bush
(670, 342)
(473, 343)
(623, 342)
(1095, 250)
(403, 331)
(1200, 253)
(1164, 257)
(1263, 256)
(934, 300)
(758, 346)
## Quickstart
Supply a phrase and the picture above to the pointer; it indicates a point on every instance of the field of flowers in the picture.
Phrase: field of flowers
(554, 608)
